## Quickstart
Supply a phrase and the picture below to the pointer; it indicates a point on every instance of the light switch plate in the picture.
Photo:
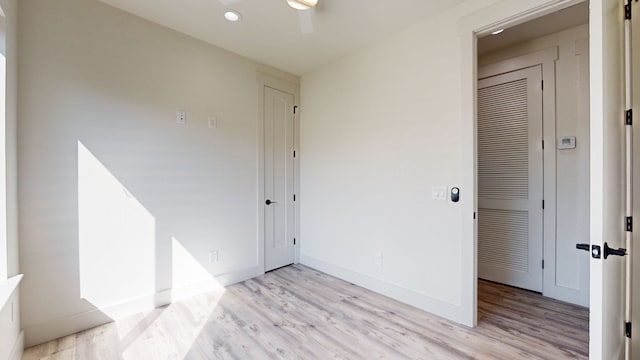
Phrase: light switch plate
(439, 192)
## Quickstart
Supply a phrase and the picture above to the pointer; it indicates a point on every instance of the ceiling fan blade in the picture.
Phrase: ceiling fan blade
(229, 2)
(306, 21)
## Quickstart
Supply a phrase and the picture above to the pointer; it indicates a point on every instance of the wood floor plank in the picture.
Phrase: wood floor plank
(300, 313)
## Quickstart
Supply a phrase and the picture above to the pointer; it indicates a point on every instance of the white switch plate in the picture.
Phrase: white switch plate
(213, 122)
(439, 192)
(181, 117)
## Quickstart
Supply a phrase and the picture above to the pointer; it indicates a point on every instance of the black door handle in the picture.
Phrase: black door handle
(269, 202)
(596, 251)
(584, 247)
(609, 251)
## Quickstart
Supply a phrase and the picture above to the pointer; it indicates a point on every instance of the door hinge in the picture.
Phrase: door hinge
(543, 264)
(542, 204)
(627, 329)
(294, 241)
(294, 197)
(628, 117)
(627, 10)
(295, 109)
(474, 215)
(542, 85)
(629, 224)
(542, 144)
(294, 154)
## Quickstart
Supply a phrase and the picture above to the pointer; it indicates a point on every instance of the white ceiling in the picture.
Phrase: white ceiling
(545, 25)
(269, 31)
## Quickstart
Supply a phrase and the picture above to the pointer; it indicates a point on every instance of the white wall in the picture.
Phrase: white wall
(120, 205)
(570, 278)
(379, 128)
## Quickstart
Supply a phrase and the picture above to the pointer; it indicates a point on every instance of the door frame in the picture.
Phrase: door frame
(501, 14)
(266, 80)
(603, 225)
(547, 59)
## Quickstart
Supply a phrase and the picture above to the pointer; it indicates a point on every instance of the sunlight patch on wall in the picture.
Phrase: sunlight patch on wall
(116, 237)
(186, 269)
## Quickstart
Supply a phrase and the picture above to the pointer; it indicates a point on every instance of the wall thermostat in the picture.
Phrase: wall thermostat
(566, 142)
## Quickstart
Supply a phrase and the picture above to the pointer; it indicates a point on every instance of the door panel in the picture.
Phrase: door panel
(278, 178)
(510, 178)
(606, 325)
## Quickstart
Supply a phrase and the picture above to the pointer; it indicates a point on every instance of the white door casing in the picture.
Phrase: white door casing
(606, 321)
(510, 178)
(278, 202)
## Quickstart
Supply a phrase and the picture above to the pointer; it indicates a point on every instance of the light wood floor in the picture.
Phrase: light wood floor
(299, 313)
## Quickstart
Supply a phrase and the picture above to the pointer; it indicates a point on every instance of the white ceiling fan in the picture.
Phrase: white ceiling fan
(305, 9)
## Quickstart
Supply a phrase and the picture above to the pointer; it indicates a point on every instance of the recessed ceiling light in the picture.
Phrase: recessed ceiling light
(232, 15)
(302, 4)
(497, 32)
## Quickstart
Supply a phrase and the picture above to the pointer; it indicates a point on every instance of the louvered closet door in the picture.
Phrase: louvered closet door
(510, 178)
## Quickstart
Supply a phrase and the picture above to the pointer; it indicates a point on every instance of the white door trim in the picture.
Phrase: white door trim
(543, 57)
(263, 80)
(500, 15)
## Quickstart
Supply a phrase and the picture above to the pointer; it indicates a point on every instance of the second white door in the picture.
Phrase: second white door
(279, 205)
(510, 178)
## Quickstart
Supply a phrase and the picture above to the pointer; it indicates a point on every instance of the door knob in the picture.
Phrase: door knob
(269, 202)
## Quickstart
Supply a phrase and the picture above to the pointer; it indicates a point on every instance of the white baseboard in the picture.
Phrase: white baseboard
(18, 348)
(421, 301)
(56, 328)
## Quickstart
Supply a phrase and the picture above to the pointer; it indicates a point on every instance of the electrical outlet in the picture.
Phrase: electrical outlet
(181, 117)
(212, 122)
(379, 259)
(213, 256)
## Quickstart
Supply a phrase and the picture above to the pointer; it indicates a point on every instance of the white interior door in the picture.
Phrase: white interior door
(279, 227)
(510, 178)
(606, 322)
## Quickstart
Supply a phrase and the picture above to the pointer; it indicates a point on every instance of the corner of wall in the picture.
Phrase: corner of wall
(56, 328)
(18, 348)
(424, 302)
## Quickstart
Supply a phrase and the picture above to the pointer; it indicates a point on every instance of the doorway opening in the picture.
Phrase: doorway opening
(533, 156)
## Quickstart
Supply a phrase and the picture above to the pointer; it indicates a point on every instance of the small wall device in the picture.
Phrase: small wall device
(566, 142)
(455, 194)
